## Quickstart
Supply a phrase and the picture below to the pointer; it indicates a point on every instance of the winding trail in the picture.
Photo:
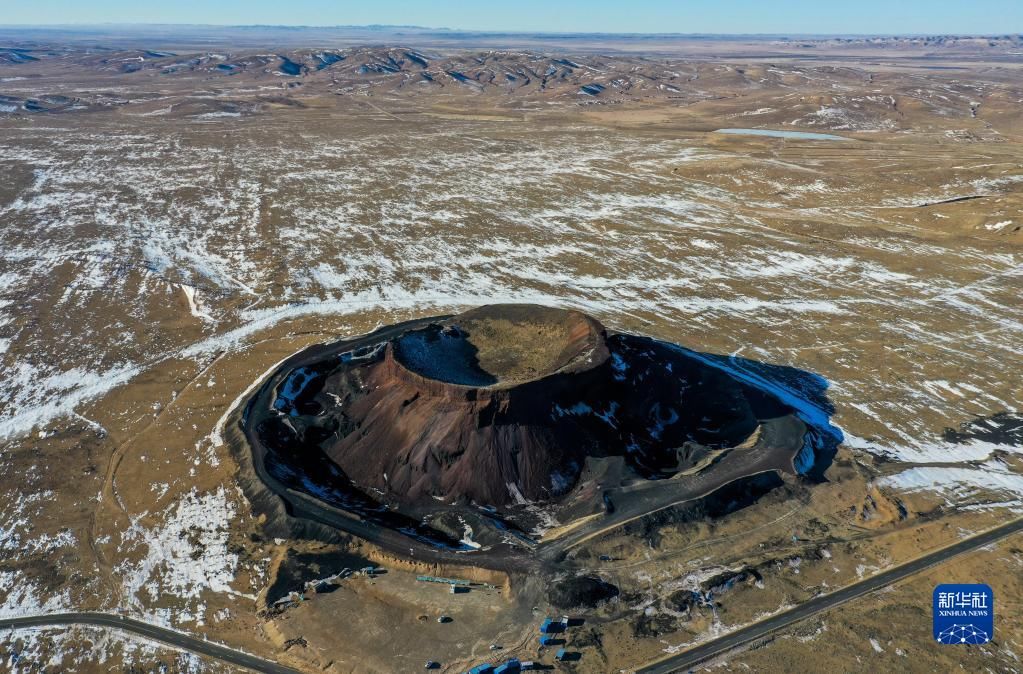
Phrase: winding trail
(109, 490)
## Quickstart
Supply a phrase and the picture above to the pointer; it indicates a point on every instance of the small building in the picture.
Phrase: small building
(482, 669)
(547, 641)
(551, 626)
(510, 667)
(527, 665)
(560, 655)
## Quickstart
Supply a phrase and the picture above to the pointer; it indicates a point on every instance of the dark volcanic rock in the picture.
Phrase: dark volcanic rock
(683, 601)
(1003, 428)
(581, 592)
(503, 405)
(297, 569)
(652, 626)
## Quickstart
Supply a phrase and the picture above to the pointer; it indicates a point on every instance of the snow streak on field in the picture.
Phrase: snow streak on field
(182, 557)
(20, 541)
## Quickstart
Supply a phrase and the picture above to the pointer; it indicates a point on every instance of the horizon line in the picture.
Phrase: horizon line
(446, 29)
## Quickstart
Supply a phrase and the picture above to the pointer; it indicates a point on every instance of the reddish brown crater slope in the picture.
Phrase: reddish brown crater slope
(461, 410)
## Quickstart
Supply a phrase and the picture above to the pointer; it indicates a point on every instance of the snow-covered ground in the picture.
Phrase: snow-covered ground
(403, 225)
(69, 649)
(182, 557)
(19, 540)
(122, 249)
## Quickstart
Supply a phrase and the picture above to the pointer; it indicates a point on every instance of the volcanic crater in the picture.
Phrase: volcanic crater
(484, 421)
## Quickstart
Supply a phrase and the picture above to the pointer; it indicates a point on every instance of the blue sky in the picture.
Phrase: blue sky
(679, 16)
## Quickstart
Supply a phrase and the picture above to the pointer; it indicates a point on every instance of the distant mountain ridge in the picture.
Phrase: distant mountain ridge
(195, 36)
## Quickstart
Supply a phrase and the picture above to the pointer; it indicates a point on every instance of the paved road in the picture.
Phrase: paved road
(165, 636)
(694, 656)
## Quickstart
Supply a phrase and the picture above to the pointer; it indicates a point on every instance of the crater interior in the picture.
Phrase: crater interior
(503, 345)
